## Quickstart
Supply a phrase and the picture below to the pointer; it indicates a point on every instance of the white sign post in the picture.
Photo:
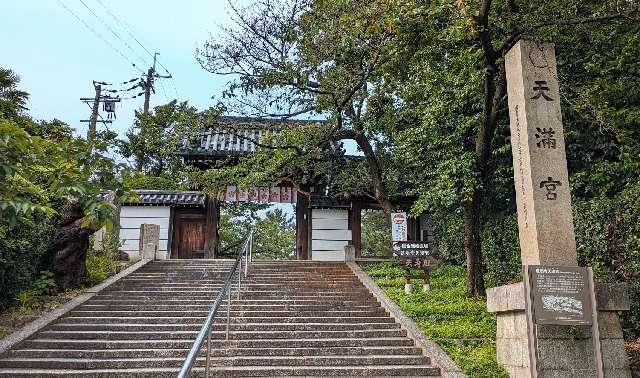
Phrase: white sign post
(399, 227)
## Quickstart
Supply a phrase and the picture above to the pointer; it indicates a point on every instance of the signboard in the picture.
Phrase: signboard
(398, 227)
(560, 295)
(411, 249)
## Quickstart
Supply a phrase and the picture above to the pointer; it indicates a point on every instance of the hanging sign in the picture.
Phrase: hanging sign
(274, 196)
(243, 195)
(232, 194)
(278, 194)
(398, 226)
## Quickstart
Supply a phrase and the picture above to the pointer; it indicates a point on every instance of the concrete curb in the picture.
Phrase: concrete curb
(30, 328)
(448, 368)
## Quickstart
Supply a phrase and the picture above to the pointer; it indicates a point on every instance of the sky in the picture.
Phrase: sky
(58, 58)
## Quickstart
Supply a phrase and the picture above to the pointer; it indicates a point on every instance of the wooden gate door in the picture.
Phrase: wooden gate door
(189, 235)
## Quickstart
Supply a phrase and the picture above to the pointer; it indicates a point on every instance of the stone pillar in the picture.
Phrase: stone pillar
(545, 225)
(149, 240)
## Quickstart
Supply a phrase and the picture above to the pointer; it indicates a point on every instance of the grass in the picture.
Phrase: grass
(29, 309)
(42, 295)
(460, 325)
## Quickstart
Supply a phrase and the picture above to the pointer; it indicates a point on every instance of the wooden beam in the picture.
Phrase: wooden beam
(303, 215)
(211, 227)
(356, 228)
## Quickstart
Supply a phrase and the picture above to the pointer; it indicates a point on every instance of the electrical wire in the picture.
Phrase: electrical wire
(98, 35)
(128, 30)
(113, 32)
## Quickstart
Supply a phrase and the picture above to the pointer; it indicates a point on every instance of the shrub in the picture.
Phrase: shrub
(22, 251)
(44, 285)
(103, 262)
(501, 248)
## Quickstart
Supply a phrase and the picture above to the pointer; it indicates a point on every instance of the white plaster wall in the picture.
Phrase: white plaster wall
(329, 234)
(131, 217)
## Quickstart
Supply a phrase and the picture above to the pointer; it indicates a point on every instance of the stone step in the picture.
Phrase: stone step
(219, 334)
(292, 319)
(165, 313)
(243, 302)
(234, 307)
(236, 371)
(221, 320)
(150, 362)
(242, 327)
(132, 353)
(42, 343)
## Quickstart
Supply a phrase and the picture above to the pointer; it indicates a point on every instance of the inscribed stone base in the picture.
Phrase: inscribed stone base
(149, 240)
(563, 351)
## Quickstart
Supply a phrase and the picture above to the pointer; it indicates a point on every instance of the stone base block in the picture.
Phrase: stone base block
(562, 351)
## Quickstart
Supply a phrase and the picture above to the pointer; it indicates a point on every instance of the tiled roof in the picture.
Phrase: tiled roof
(321, 201)
(235, 136)
(168, 198)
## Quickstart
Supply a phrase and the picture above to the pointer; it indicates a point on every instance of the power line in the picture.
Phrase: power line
(98, 35)
(113, 32)
(128, 30)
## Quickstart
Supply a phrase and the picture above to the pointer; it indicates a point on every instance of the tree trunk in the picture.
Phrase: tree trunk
(69, 248)
(379, 191)
(472, 246)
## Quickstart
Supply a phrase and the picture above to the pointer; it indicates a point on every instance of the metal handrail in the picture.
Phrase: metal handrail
(205, 331)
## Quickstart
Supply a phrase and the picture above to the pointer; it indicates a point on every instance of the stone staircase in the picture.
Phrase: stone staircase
(293, 319)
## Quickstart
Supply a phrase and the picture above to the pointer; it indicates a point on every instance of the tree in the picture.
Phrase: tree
(449, 74)
(154, 138)
(275, 236)
(297, 58)
(46, 171)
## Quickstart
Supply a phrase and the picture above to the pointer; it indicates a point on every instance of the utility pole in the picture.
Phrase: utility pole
(148, 87)
(99, 98)
(94, 113)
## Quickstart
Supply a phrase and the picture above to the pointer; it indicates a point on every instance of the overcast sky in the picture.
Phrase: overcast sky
(58, 57)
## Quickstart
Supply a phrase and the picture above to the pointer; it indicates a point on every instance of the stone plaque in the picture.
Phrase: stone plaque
(560, 295)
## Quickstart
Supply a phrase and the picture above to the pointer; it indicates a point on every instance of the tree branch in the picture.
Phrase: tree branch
(562, 22)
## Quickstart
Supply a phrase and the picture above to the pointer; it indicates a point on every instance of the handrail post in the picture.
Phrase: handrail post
(239, 278)
(228, 310)
(208, 352)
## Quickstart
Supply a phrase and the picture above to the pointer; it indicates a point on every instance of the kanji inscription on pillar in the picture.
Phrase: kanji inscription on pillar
(540, 167)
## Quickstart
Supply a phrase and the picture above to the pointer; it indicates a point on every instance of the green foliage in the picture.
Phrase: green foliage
(291, 156)
(22, 250)
(274, 237)
(103, 262)
(154, 138)
(44, 285)
(608, 239)
(99, 268)
(461, 326)
(501, 246)
(376, 234)
(139, 180)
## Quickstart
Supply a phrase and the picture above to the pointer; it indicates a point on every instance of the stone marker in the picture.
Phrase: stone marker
(547, 237)
(545, 222)
(149, 240)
